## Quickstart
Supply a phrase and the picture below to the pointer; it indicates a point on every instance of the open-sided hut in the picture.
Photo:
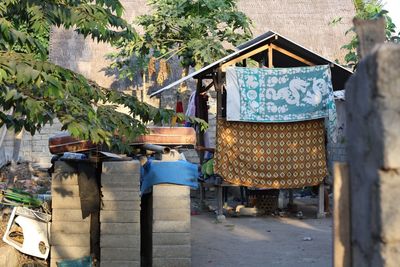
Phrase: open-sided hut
(265, 155)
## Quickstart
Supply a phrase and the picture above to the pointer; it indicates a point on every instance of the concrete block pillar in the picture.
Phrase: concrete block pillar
(120, 214)
(373, 131)
(171, 226)
(70, 229)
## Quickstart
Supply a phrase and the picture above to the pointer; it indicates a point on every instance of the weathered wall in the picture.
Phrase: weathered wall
(373, 132)
(337, 151)
(305, 22)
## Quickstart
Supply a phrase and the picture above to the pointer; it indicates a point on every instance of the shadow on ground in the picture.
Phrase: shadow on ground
(261, 241)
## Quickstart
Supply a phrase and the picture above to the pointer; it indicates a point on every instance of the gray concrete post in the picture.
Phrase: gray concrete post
(373, 130)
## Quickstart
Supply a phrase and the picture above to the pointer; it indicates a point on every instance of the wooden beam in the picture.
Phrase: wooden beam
(290, 54)
(218, 87)
(205, 89)
(270, 62)
(247, 55)
(341, 216)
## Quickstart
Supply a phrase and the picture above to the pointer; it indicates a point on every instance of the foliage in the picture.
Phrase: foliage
(367, 10)
(38, 91)
(196, 31)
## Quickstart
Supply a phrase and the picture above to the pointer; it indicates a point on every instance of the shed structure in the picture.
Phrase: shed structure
(269, 50)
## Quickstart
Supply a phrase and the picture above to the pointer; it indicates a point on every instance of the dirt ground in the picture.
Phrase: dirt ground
(262, 241)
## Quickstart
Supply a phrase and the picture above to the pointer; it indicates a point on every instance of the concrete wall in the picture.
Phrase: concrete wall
(33, 148)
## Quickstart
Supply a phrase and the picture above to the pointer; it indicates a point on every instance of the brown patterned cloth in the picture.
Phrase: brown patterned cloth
(271, 155)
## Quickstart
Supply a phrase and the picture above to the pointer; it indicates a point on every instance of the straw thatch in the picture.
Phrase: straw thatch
(305, 22)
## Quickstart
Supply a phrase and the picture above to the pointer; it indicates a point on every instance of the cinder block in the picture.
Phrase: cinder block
(71, 240)
(181, 202)
(171, 239)
(107, 263)
(119, 228)
(171, 227)
(132, 166)
(64, 167)
(119, 216)
(166, 190)
(120, 241)
(171, 214)
(120, 195)
(170, 251)
(121, 185)
(175, 262)
(64, 179)
(63, 190)
(120, 254)
(121, 178)
(66, 202)
(69, 216)
(68, 253)
(70, 227)
(121, 205)
(116, 195)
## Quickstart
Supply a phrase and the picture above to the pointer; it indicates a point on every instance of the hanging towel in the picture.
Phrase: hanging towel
(281, 95)
(168, 172)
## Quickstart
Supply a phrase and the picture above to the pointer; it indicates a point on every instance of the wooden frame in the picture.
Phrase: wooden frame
(270, 48)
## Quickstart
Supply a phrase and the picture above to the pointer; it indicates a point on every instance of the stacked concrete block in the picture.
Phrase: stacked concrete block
(70, 233)
(171, 226)
(120, 214)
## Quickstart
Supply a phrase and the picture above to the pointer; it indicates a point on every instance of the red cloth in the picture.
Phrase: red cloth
(179, 107)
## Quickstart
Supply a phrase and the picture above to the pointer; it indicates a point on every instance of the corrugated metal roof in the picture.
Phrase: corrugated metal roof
(339, 73)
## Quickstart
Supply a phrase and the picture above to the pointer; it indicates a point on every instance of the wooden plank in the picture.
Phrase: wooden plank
(242, 57)
(290, 54)
(341, 216)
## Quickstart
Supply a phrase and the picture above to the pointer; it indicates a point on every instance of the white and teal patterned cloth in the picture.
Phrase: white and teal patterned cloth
(281, 95)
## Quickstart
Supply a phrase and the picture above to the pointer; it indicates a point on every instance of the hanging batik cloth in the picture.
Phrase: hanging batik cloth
(271, 155)
(281, 95)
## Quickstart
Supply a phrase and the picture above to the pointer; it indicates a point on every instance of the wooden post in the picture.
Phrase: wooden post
(219, 201)
(291, 200)
(341, 216)
(270, 61)
(201, 112)
(321, 207)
